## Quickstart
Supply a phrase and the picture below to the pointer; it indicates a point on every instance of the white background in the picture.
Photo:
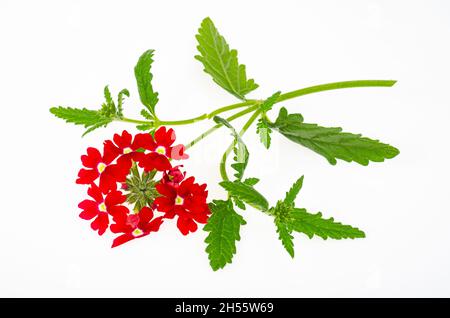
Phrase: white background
(64, 52)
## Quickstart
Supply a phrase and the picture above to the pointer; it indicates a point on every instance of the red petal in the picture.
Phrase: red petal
(87, 176)
(186, 186)
(92, 158)
(100, 223)
(114, 198)
(95, 193)
(153, 226)
(119, 212)
(122, 239)
(186, 225)
(107, 181)
(123, 141)
(156, 161)
(200, 217)
(166, 190)
(110, 152)
(143, 141)
(145, 215)
(88, 214)
(120, 170)
(120, 228)
(177, 152)
(164, 204)
(165, 138)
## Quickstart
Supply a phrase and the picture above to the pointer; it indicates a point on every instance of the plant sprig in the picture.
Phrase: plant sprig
(221, 63)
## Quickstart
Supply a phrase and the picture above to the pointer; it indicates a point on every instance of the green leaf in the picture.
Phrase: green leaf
(149, 98)
(285, 236)
(144, 127)
(239, 203)
(262, 127)
(223, 226)
(240, 150)
(267, 104)
(246, 194)
(315, 224)
(222, 63)
(146, 114)
(264, 131)
(332, 143)
(77, 116)
(293, 192)
(251, 181)
(122, 93)
(93, 119)
(90, 119)
(103, 123)
(109, 101)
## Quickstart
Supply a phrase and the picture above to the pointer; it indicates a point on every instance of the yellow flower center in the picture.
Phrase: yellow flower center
(102, 207)
(161, 150)
(101, 167)
(137, 232)
(179, 200)
(127, 150)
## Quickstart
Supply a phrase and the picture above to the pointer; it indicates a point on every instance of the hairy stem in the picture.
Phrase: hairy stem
(156, 123)
(134, 121)
(254, 104)
(336, 85)
(214, 128)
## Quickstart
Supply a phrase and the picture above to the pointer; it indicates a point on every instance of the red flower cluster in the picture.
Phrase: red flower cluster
(177, 196)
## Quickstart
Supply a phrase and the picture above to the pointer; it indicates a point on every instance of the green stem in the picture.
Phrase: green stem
(158, 122)
(223, 162)
(134, 121)
(207, 116)
(254, 104)
(182, 122)
(336, 85)
(214, 128)
(231, 107)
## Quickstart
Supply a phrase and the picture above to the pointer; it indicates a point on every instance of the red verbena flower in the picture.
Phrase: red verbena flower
(99, 165)
(135, 225)
(173, 176)
(187, 201)
(161, 150)
(126, 147)
(101, 207)
(114, 173)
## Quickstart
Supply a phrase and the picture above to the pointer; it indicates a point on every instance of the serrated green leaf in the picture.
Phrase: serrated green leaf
(90, 119)
(222, 63)
(267, 104)
(264, 131)
(109, 101)
(239, 203)
(144, 127)
(103, 123)
(246, 194)
(251, 181)
(285, 236)
(293, 192)
(122, 93)
(315, 224)
(241, 154)
(77, 116)
(262, 127)
(142, 72)
(332, 143)
(223, 226)
(146, 114)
